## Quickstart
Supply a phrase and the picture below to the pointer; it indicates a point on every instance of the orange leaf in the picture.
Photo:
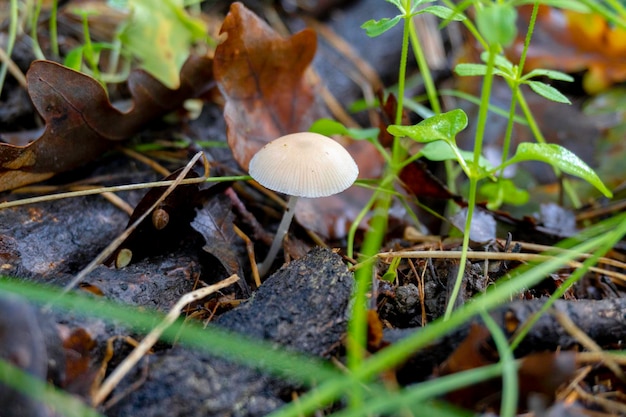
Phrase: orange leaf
(571, 42)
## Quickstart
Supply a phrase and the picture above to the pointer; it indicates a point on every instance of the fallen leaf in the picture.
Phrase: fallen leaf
(261, 76)
(473, 352)
(214, 221)
(374, 331)
(81, 123)
(482, 228)
(539, 373)
(79, 373)
(418, 180)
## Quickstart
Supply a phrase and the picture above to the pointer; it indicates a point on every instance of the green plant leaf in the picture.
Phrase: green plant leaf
(496, 22)
(397, 3)
(503, 191)
(160, 34)
(329, 127)
(552, 74)
(473, 70)
(561, 158)
(74, 58)
(444, 126)
(443, 12)
(501, 61)
(444, 151)
(547, 91)
(375, 28)
(470, 70)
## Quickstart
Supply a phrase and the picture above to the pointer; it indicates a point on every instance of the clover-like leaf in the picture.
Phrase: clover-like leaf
(374, 28)
(443, 126)
(561, 158)
(547, 91)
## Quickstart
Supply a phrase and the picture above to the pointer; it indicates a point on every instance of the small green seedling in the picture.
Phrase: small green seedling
(510, 72)
(392, 272)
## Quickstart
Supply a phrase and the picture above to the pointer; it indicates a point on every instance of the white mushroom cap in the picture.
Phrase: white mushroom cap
(304, 165)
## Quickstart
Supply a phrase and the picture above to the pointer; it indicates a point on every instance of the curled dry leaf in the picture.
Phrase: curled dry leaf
(215, 222)
(539, 373)
(81, 123)
(261, 75)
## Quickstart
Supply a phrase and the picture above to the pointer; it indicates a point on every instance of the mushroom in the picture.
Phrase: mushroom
(301, 165)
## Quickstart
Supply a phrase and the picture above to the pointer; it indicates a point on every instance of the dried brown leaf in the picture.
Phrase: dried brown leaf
(81, 123)
(261, 75)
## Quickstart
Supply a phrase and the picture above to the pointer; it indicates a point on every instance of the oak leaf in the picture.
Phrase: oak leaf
(81, 123)
(262, 77)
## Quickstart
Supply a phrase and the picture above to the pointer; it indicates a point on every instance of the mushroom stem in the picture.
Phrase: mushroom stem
(283, 228)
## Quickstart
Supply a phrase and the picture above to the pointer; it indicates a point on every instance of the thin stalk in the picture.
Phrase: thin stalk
(469, 25)
(510, 384)
(471, 204)
(357, 325)
(88, 51)
(506, 146)
(532, 123)
(10, 41)
(431, 90)
(534, 128)
(483, 110)
(357, 221)
(429, 84)
(473, 178)
(33, 31)
(283, 228)
(54, 41)
(515, 86)
(514, 90)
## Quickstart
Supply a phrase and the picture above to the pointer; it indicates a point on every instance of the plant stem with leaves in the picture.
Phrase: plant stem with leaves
(357, 328)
